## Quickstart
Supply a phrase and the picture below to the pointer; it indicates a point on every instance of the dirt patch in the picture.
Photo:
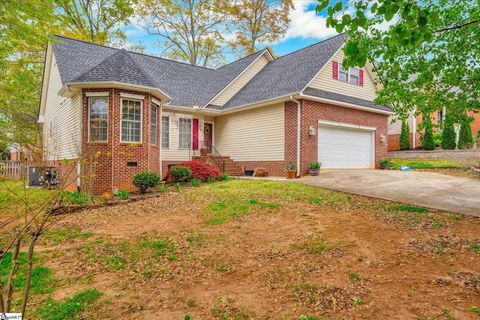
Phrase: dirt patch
(161, 259)
(455, 172)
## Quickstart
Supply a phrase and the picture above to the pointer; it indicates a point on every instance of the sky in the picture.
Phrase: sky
(306, 28)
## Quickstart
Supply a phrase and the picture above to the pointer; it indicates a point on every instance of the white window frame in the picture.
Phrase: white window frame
(154, 105)
(141, 120)
(89, 98)
(340, 66)
(161, 131)
(191, 131)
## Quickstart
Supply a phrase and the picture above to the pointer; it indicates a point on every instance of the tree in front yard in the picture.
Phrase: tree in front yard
(449, 136)
(422, 49)
(405, 136)
(427, 142)
(465, 140)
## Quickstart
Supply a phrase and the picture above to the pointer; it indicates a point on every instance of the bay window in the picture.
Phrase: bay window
(98, 119)
(154, 124)
(131, 125)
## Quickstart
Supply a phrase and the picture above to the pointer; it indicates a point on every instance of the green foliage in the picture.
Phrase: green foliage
(427, 140)
(70, 308)
(42, 281)
(164, 188)
(405, 136)
(448, 135)
(195, 183)
(225, 177)
(315, 165)
(385, 161)
(211, 180)
(177, 187)
(180, 173)
(291, 166)
(145, 180)
(408, 208)
(474, 310)
(75, 198)
(308, 317)
(465, 139)
(354, 276)
(422, 49)
(123, 194)
(437, 138)
(425, 164)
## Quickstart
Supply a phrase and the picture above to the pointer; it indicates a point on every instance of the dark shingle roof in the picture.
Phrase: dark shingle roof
(288, 74)
(188, 85)
(117, 67)
(343, 98)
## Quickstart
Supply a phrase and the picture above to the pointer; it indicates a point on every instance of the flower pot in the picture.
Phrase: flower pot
(203, 152)
(314, 172)
(291, 174)
(260, 172)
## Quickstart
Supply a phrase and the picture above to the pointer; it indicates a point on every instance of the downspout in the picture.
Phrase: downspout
(299, 114)
(160, 144)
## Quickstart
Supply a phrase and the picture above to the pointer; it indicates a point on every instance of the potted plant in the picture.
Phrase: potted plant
(314, 169)
(384, 164)
(203, 151)
(291, 170)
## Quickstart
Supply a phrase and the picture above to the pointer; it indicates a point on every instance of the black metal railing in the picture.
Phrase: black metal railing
(209, 151)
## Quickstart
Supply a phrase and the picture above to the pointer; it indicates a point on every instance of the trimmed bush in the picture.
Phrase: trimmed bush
(405, 137)
(449, 136)
(145, 180)
(427, 140)
(465, 140)
(202, 171)
(180, 173)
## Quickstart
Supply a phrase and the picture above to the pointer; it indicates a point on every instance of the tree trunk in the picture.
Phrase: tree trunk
(13, 272)
(28, 280)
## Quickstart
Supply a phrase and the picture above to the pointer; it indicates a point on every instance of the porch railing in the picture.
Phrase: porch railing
(212, 154)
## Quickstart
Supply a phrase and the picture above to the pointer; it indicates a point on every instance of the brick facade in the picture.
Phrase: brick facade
(111, 171)
(112, 157)
(313, 111)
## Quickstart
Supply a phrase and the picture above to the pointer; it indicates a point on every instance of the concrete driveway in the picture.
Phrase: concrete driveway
(425, 189)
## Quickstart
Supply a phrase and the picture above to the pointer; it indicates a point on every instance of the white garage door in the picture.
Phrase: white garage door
(345, 148)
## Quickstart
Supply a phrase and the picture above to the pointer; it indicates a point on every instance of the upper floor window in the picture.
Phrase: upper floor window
(165, 132)
(351, 75)
(154, 124)
(98, 119)
(131, 125)
(184, 133)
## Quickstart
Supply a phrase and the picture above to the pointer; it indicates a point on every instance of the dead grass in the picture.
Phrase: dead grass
(265, 250)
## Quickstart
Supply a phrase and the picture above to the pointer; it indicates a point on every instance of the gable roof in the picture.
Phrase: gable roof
(288, 74)
(187, 85)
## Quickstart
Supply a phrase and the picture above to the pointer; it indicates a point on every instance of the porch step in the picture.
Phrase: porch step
(223, 163)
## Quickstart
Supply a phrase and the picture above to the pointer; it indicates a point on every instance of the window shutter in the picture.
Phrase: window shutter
(335, 70)
(195, 135)
(361, 77)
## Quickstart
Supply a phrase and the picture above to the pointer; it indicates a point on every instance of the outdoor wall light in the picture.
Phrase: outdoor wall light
(312, 131)
(382, 138)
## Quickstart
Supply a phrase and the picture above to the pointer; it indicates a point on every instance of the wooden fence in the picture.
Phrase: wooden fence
(13, 169)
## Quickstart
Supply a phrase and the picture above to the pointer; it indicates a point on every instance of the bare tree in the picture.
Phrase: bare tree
(259, 21)
(191, 30)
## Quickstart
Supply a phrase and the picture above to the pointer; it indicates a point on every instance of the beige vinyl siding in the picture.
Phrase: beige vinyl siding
(241, 81)
(252, 135)
(173, 153)
(324, 81)
(62, 125)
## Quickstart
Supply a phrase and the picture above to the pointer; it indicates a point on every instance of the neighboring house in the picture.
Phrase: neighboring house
(395, 126)
(141, 112)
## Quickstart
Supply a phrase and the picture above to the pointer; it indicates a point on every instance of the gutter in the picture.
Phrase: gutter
(299, 117)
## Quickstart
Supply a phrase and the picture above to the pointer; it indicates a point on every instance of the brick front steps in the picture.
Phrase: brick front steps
(222, 163)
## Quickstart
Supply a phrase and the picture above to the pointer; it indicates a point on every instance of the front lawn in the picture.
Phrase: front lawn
(425, 164)
(244, 249)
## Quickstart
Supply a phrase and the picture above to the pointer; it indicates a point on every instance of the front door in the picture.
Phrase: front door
(208, 136)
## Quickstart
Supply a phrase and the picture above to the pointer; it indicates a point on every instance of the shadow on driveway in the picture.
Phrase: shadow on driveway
(424, 189)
